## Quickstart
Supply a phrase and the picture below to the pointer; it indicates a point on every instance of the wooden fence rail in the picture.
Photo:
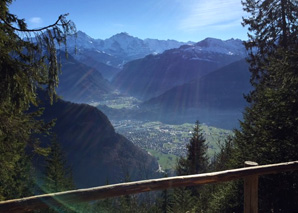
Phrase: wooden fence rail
(96, 193)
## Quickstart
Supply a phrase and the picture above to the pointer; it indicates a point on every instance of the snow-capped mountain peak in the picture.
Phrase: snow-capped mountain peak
(82, 35)
(122, 47)
(230, 47)
(121, 35)
(81, 41)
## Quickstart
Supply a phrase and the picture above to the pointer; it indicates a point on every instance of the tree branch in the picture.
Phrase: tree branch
(35, 30)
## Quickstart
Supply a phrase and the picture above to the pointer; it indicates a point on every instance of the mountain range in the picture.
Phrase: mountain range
(155, 74)
(115, 51)
(182, 79)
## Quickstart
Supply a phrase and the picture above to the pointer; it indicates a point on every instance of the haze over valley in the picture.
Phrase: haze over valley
(153, 90)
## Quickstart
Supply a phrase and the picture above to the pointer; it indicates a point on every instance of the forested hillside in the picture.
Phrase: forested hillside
(94, 151)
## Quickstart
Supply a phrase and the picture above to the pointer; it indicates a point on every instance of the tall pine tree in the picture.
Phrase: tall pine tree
(269, 131)
(24, 67)
(58, 176)
(196, 160)
(272, 24)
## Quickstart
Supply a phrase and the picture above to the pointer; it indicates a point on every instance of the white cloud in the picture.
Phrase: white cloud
(35, 21)
(212, 13)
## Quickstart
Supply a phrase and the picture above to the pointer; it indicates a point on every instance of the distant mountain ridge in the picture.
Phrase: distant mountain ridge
(223, 88)
(120, 48)
(213, 45)
(155, 74)
(216, 99)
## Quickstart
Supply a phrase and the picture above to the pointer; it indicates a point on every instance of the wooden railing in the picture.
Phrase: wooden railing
(250, 175)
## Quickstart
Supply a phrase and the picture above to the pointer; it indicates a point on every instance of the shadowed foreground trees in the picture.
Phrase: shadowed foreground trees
(58, 176)
(24, 68)
(269, 131)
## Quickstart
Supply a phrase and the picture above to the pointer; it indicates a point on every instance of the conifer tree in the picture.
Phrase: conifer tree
(19, 181)
(183, 201)
(25, 66)
(272, 24)
(196, 160)
(268, 133)
(167, 202)
(58, 176)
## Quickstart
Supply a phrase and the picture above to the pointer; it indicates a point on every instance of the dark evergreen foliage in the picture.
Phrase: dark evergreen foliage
(268, 133)
(23, 69)
(183, 201)
(196, 160)
(271, 24)
(58, 176)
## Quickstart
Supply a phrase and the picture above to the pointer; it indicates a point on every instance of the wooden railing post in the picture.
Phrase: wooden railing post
(251, 190)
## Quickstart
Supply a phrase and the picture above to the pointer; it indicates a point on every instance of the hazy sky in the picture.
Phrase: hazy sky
(182, 20)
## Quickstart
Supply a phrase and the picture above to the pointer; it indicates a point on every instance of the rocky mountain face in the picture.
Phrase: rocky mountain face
(94, 151)
(155, 74)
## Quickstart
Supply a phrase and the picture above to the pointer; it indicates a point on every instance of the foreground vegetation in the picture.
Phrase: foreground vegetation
(25, 69)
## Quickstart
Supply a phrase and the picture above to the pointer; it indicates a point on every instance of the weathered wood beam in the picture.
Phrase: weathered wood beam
(96, 193)
(251, 190)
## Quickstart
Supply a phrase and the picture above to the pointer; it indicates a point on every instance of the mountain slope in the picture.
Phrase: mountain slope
(216, 99)
(80, 83)
(153, 75)
(93, 149)
(106, 64)
(223, 88)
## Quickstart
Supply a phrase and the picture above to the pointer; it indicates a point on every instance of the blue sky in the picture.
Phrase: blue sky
(182, 20)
